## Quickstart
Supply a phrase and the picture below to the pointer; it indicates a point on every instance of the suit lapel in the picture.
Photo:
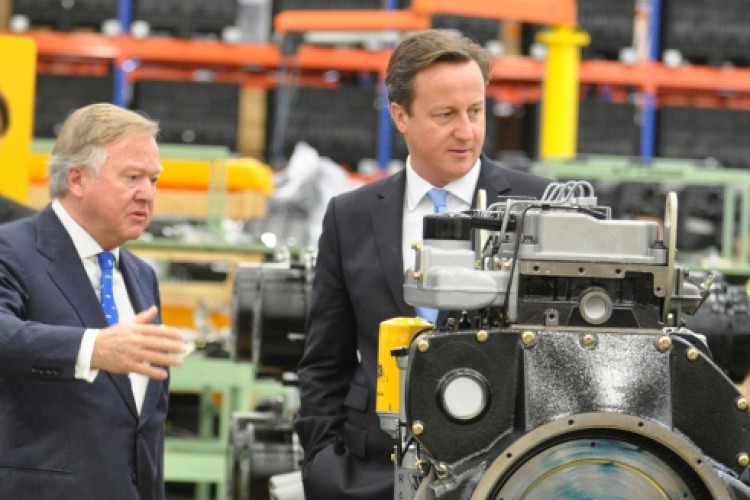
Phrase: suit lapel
(67, 273)
(492, 180)
(387, 220)
(141, 297)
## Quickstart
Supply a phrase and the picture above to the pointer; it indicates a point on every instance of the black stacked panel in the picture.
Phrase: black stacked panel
(609, 23)
(478, 29)
(186, 18)
(606, 127)
(701, 133)
(710, 32)
(280, 5)
(65, 15)
(58, 95)
(340, 123)
(191, 112)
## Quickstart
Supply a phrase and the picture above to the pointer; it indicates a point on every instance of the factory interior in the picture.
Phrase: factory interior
(270, 108)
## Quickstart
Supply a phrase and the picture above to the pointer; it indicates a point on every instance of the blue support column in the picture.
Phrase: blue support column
(648, 128)
(385, 129)
(119, 79)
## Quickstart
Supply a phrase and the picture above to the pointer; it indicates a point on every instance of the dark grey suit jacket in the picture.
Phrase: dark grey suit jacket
(12, 210)
(61, 437)
(358, 284)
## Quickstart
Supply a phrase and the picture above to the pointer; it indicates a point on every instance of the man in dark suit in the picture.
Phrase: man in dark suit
(9, 209)
(436, 84)
(83, 399)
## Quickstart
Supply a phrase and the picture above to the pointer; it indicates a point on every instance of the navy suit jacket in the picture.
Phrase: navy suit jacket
(358, 284)
(61, 437)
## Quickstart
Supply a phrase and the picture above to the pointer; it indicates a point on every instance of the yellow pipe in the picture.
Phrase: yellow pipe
(17, 80)
(559, 126)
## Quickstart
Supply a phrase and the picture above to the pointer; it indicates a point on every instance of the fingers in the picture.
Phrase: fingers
(134, 347)
(146, 316)
(153, 372)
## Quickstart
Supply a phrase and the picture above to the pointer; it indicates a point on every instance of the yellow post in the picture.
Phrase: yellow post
(17, 83)
(559, 124)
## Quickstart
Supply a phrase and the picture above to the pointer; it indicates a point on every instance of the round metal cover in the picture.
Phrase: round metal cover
(595, 455)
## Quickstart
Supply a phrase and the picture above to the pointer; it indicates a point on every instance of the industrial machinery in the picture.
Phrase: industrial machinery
(725, 320)
(269, 306)
(568, 372)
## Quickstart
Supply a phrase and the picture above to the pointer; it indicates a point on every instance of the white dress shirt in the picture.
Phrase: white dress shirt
(87, 249)
(417, 204)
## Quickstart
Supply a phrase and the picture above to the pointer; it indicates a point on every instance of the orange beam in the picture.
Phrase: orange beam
(654, 77)
(75, 52)
(199, 52)
(557, 12)
(517, 68)
(74, 45)
(163, 50)
(340, 59)
(349, 20)
(150, 72)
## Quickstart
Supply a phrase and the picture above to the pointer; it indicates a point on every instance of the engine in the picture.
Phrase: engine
(568, 372)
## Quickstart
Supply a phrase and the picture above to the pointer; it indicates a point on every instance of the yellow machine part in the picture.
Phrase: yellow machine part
(393, 333)
(17, 82)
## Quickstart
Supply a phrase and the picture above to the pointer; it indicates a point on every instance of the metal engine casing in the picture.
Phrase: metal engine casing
(566, 375)
(551, 378)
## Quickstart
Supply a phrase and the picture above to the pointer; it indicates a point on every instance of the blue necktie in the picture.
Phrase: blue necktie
(107, 263)
(438, 197)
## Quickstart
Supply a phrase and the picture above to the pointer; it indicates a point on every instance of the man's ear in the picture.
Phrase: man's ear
(399, 116)
(76, 179)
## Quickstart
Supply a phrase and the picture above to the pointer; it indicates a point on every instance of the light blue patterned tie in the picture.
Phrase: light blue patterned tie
(107, 263)
(438, 197)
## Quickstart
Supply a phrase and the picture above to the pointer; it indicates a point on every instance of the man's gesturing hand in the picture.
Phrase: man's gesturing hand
(137, 346)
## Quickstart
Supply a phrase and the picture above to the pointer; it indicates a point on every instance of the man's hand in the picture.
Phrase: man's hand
(137, 346)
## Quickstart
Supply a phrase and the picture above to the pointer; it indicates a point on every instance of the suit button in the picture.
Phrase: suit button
(134, 478)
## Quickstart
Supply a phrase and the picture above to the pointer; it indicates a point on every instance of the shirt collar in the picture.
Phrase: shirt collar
(463, 188)
(84, 244)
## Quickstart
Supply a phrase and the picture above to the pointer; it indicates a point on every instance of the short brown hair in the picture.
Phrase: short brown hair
(424, 49)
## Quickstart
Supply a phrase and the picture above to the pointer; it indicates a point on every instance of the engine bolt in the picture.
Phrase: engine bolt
(417, 275)
(417, 428)
(423, 345)
(528, 338)
(441, 469)
(743, 460)
(477, 264)
(742, 404)
(482, 335)
(588, 340)
(693, 354)
(664, 343)
(416, 245)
